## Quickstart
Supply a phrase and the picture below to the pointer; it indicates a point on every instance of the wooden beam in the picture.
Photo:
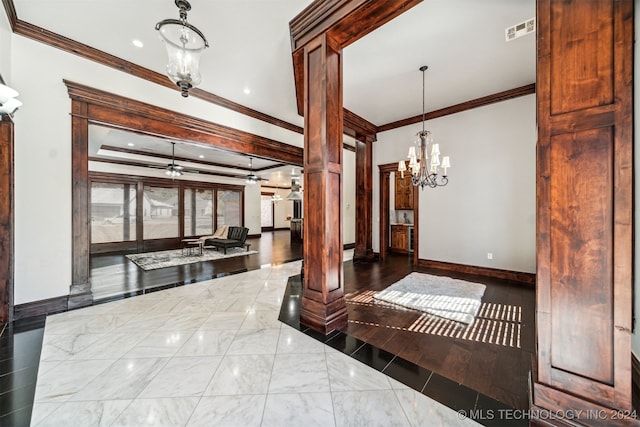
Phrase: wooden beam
(464, 106)
(355, 125)
(105, 107)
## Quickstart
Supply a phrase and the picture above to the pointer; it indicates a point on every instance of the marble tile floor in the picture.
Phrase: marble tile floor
(212, 354)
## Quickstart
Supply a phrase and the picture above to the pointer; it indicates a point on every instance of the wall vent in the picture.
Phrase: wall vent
(521, 29)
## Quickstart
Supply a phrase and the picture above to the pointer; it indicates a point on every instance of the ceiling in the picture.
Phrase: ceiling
(462, 42)
(137, 149)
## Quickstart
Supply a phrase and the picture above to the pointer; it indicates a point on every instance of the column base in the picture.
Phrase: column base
(323, 318)
(80, 296)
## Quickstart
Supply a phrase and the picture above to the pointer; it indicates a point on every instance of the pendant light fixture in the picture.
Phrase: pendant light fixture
(8, 102)
(184, 44)
(425, 174)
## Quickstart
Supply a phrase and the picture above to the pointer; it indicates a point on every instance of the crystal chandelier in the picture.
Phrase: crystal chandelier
(184, 44)
(425, 174)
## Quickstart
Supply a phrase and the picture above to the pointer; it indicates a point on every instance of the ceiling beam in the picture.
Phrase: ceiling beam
(146, 165)
(126, 113)
(354, 126)
(464, 106)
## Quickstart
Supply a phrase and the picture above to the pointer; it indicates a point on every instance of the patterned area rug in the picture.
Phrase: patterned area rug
(161, 259)
(442, 296)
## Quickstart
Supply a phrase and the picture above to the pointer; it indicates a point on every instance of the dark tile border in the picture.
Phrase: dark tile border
(20, 346)
(468, 402)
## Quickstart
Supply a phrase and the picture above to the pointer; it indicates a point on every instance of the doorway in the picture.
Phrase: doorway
(266, 211)
(385, 219)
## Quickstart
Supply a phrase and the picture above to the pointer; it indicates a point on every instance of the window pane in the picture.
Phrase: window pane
(198, 212)
(160, 213)
(113, 212)
(266, 211)
(229, 208)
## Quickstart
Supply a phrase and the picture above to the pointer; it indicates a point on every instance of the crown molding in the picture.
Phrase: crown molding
(464, 106)
(66, 44)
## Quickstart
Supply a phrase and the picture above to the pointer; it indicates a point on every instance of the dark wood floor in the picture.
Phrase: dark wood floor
(498, 369)
(114, 276)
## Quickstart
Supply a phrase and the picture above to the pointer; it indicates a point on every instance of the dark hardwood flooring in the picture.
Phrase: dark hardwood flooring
(114, 276)
(494, 369)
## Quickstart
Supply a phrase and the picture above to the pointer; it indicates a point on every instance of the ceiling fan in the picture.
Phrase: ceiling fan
(172, 169)
(252, 178)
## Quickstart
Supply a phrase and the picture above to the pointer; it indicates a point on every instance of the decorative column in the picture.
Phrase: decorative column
(6, 219)
(364, 160)
(323, 307)
(80, 289)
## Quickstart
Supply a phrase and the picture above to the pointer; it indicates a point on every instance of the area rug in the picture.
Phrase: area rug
(452, 299)
(161, 259)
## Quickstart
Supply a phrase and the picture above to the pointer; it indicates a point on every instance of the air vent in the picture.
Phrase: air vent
(521, 29)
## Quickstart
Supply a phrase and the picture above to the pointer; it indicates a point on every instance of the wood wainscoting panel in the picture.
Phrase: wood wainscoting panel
(584, 207)
(583, 235)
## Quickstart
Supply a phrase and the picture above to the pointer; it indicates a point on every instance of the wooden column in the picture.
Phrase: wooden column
(364, 219)
(323, 307)
(584, 207)
(6, 219)
(80, 290)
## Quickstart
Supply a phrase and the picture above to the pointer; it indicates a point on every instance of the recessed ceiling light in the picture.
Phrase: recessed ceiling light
(131, 144)
(201, 156)
(137, 43)
(247, 91)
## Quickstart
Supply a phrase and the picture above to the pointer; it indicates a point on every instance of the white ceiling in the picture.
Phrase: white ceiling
(462, 42)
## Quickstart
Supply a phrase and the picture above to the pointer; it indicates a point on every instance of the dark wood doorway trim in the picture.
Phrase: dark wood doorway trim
(6, 220)
(385, 221)
(90, 105)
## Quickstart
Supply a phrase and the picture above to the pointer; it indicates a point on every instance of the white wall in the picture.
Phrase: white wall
(489, 203)
(348, 197)
(43, 149)
(5, 49)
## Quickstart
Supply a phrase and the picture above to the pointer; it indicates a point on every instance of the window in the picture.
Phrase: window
(198, 212)
(160, 213)
(229, 208)
(113, 212)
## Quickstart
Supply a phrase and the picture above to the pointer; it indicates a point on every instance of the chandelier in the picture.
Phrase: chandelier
(8, 102)
(184, 44)
(425, 174)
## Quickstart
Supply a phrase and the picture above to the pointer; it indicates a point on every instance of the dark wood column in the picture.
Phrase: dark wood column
(318, 35)
(6, 219)
(364, 218)
(80, 291)
(585, 208)
(323, 307)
